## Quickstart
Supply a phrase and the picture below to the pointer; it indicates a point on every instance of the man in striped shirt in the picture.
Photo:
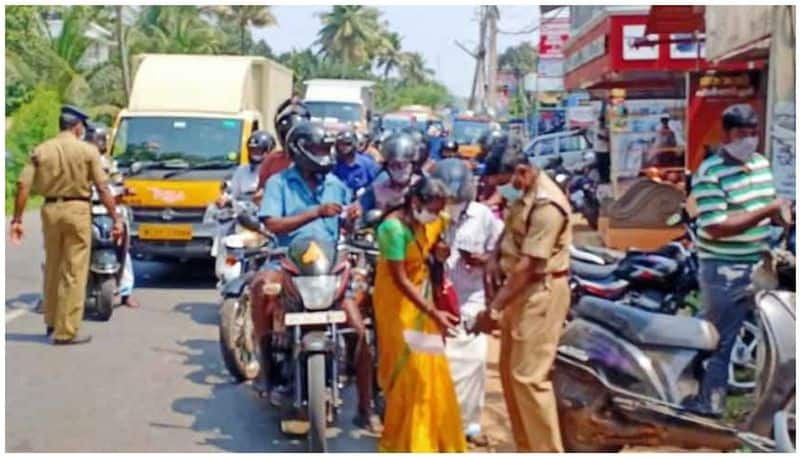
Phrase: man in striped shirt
(735, 199)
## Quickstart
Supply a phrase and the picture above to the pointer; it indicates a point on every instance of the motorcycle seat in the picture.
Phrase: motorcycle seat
(609, 288)
(611, 255)
(586, 270)
(649, 328)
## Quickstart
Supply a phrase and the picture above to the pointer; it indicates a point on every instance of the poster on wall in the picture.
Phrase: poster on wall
(553, 35)
(709, 95)
(783, 157)
(631, 33)
(646, 135)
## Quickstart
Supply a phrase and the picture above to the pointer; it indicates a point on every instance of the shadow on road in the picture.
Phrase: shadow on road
(200, 313)
(237, 419)
(23, 301)
(197, 274)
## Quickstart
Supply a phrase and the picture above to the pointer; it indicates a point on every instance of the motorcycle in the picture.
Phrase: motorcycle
(106, 259)
(621, 374)
(228, 267)
(245, 252)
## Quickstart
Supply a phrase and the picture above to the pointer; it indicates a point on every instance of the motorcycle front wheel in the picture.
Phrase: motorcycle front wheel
(236, 339)
(317, 411)
(105, 297)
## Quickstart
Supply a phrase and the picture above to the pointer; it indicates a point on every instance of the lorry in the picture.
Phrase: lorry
(340, 103)
(181, 137)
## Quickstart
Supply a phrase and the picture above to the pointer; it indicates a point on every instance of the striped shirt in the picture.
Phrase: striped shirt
(723, 187)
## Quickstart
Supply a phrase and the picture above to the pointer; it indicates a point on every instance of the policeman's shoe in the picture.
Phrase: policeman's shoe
(79, 338)
(49, 331)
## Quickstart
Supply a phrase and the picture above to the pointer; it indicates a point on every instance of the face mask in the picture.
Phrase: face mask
(455, 210)
(743, 148)
(400, 176)
(424, 216)
(256, 159)
(510, 193)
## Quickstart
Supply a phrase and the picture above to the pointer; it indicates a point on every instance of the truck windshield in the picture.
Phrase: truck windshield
(468, 132)
(343, 112)
(396, 123)
(190, 139)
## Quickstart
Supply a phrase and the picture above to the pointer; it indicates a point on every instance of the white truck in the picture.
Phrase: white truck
(340, 103)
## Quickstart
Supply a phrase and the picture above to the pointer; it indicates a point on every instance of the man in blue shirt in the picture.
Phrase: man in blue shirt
(306, 201)
(357, 170)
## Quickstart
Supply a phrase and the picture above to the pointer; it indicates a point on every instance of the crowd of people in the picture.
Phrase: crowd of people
(461, 256)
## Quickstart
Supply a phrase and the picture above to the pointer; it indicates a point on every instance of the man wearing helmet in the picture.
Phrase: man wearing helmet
(735, 197)
(473, 234)
(289, 113)
(450, 149)
(355, 169)
(307, 200)
(245, 178)
(389, 189)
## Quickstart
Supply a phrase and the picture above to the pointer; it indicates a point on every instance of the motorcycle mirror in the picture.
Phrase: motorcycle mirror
(373, 217)
(674, 220)
(249, 222)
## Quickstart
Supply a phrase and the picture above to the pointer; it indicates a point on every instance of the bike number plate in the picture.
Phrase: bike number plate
(181, 232)
(318, 318)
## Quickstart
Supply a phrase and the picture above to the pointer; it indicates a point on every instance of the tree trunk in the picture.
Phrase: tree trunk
(123, 55)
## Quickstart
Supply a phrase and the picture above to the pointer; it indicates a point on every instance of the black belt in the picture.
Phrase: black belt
(66, 199)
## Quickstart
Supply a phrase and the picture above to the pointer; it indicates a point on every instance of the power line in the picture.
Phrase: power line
(532, 28)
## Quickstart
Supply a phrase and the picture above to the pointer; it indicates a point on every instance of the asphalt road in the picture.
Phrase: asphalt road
(152, 379)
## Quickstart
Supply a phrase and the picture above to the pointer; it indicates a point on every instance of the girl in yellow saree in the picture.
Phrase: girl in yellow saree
(422, 413)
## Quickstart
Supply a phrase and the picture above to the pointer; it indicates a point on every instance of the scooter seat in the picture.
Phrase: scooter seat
(648, 328)
(592, 271)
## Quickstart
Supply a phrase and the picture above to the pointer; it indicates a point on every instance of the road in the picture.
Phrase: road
(152, 379)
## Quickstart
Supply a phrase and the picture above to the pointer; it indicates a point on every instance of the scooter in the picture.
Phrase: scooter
(106, 259)
(621, 374)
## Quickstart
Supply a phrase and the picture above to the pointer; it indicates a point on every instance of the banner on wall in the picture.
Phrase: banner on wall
(553, 35)
(646, 134)
(709, 95)
(783, 157)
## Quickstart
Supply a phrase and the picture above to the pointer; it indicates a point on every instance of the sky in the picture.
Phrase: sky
(430, 30)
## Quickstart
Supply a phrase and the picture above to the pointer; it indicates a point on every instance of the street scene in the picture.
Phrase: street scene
(368, 228)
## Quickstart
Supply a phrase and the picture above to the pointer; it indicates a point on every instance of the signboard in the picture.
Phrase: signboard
(553, 35)
(551, 68)
(783, 157)
(646, 134)
(685, 49)
(550, 84)
(592, 50)
(631, 33)
(709, 95)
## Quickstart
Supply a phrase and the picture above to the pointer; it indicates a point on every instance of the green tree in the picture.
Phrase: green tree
(33, 123)
(244, 16)
(351, 34)
(175, 30)
(414, 70)
(390, 56)
(520, 59)
(392, 94)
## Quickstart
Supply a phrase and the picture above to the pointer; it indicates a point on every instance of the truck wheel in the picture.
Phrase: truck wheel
(317, 416)
(105, 298)
(236, 339)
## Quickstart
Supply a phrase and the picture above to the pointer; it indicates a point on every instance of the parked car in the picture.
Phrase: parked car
(572, 146)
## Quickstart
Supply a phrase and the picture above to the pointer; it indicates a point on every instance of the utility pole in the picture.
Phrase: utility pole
(492, 15)
(478, 77)
(123, 54)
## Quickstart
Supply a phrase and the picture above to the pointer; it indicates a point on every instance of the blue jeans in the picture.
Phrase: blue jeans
(723, 289)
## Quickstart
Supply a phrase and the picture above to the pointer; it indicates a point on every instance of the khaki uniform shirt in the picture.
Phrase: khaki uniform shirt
(537, 225)
(63, 167)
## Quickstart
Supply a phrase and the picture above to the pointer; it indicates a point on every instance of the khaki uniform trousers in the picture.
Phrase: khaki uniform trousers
(67, 244)
(530, 331)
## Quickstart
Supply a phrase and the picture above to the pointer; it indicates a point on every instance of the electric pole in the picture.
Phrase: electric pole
(492, 15)
(478, 78)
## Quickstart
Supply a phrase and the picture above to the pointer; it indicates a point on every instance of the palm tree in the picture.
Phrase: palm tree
(176, 30)
(350, 33)
(244, 16)
(390, 56)
(414, 70)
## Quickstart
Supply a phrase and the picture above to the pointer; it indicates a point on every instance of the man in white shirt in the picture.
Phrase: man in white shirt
(473, 233)
(245, 178)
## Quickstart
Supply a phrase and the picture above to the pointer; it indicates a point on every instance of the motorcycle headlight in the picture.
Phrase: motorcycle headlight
(317, 292)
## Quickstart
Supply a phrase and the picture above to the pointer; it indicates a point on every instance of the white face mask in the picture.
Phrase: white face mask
(455, 210)
(424, 216)
(401, 176)
(743, 148)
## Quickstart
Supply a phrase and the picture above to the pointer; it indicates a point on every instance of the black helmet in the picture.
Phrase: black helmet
(450, 145)
(489, 139)
(309, 148)
(347, 137)
(739, 115)
(261, 141)
(399, 151)
(458, 177)
(285, 122)
(501, 157)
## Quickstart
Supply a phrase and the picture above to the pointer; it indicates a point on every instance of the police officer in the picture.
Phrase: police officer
(531, 264)
(64, 169)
